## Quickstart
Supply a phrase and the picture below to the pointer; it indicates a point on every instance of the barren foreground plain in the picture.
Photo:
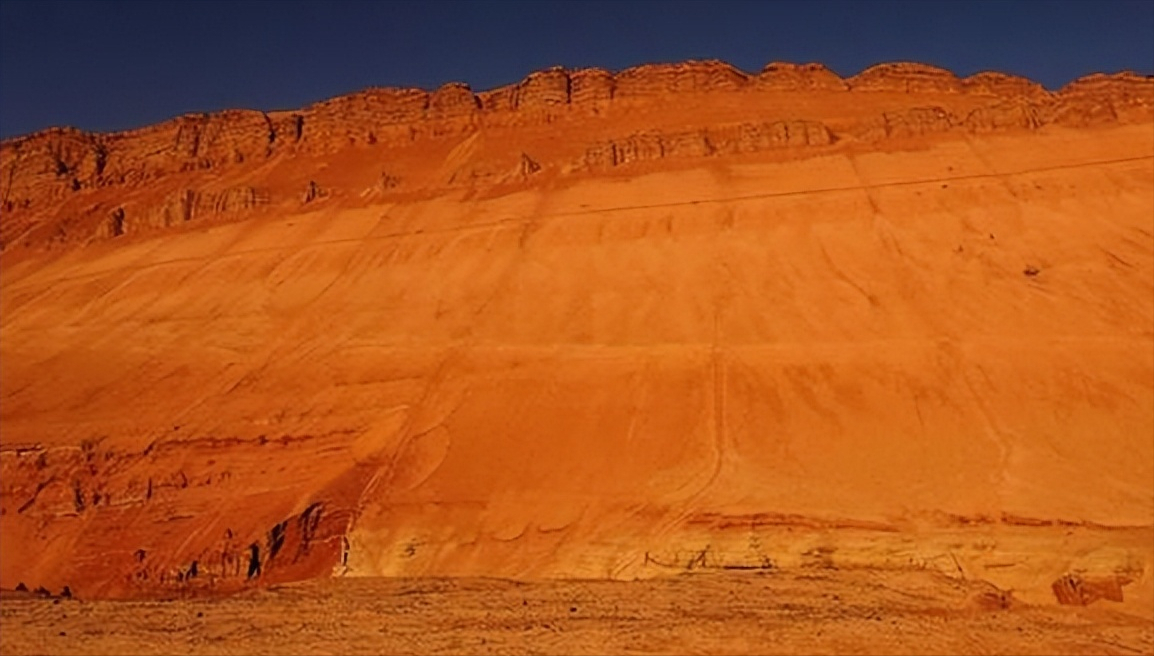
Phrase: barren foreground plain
(677, 359)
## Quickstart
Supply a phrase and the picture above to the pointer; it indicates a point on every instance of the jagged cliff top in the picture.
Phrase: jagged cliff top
(66, 186)
(907, 76)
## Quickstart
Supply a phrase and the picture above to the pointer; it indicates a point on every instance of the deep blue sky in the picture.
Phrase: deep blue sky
(108, 65)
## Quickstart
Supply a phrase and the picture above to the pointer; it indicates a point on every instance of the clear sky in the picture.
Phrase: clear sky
(110, 65)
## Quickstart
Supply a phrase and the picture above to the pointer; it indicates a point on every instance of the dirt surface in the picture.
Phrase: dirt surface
(818, 611)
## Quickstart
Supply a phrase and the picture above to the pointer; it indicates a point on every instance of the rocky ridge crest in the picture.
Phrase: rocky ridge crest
(45, 174)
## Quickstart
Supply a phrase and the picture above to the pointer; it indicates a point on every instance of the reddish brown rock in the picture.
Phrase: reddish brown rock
(46, 165)
(720, 140)
(906, 77)
(1006, 115)
(591, 89)
(543, 90)
(500, 100)
(453, 100)
(799, 77)
(694, 143)
(694, 76)
(180, 207)
(1076, 590)
(209, 140)
(1119, 87)
(917, 121)
(365, 118)
(95, 484)
(1001, 84)
(1101, 99)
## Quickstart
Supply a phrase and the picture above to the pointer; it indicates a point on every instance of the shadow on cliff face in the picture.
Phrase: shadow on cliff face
(253, 560)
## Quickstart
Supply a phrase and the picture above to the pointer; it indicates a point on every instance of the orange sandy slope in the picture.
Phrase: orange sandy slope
(930, 350)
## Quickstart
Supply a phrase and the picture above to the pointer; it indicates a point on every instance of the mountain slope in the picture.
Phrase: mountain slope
(784, 321)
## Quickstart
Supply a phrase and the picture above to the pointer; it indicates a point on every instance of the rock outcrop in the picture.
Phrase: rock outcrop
(799, 77)
(1007, 115)
(665, 79)
(52, 179)
(999, 84)
(1101, 99)
(591, 89)
(905, 77)
(454, 100)
(912, 122)
(542, 91)
(180, 207)
(92, 484)
(1075, 590)
(721, 140)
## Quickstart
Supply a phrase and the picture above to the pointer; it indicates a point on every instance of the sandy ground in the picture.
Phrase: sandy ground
(819, 611)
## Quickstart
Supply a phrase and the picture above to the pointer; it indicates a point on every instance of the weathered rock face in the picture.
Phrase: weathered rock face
(499, 101)
(363, 118)
(179, 207)
(543, 90)
(591, 89)
(799, 77)
(906, 78)
(1124, 86)
(1073, 590)
(1008, 115)
(915, 121)
(539, 98)
(215, 139)
(1000, 84)
(690, 77)
(453, 100)
(188, 143)
(718, 141)
(45, 166)
(64, 176)
(97, 485)
(1102, 99)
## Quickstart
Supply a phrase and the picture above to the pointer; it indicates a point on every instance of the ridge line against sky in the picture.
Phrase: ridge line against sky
(117, 65)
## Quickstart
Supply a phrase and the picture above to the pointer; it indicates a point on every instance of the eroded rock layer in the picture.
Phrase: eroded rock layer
(64, 185)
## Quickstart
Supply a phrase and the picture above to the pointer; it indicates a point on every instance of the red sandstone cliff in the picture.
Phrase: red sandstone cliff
(590, 324)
